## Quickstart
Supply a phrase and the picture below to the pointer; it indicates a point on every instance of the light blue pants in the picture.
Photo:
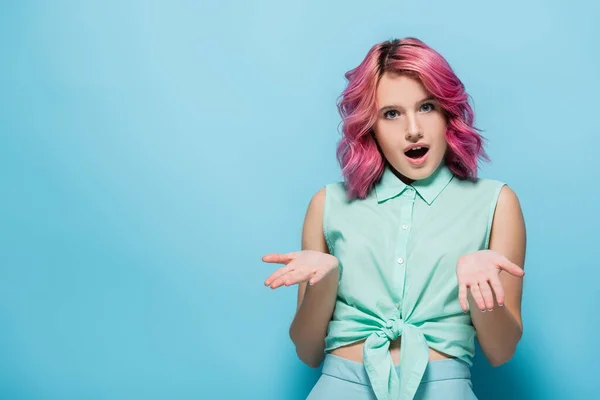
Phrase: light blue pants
(448, 379)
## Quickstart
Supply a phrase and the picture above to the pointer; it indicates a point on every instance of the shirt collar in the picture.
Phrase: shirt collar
(429, 188)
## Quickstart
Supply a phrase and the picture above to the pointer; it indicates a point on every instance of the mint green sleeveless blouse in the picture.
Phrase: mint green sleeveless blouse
(397, 251)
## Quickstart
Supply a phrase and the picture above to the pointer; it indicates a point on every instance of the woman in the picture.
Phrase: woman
(412, 256)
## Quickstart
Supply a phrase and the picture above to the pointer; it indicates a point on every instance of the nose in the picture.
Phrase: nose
(413, 130)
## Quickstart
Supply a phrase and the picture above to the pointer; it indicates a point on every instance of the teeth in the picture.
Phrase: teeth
(416, 148)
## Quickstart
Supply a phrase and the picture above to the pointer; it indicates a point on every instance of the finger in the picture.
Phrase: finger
(316, 277)
(462, 297)
(486, 293)
(510, 267)
(278, 258)
(278, 274)
(498, 289)
(276, 283)
(281, 281)
(477, 297)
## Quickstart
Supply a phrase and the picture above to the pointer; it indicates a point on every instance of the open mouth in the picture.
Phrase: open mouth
(416, 152)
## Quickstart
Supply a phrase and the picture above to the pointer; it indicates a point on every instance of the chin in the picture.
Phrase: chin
(416, 173)
(419, 174)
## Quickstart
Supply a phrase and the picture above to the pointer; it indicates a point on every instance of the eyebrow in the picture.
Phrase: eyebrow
(394, 106)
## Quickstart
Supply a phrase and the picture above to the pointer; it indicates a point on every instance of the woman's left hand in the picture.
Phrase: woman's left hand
(478, 271)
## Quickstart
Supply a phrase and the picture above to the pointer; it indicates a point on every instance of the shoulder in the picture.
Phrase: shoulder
(332, 193)
(312, 231)
(477, 184)
(508, 199)
(482, 189)
(508, 216)
(505, 200)
(319, 200)
(335, 189)
(508, 212)
(331, 189)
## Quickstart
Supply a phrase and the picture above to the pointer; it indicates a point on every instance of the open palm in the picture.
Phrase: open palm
(300, 266)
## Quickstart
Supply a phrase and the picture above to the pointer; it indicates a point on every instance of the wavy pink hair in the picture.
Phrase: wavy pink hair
(360, 159)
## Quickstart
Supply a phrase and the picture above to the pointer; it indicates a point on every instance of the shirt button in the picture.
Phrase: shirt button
(400, 260)
(405, 227)
(409, 190)
(398, 304)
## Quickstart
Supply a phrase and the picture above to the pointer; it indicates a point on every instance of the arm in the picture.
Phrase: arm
(315, 303)
(499, 331)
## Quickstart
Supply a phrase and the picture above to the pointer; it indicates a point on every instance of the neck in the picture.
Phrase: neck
(403, 178)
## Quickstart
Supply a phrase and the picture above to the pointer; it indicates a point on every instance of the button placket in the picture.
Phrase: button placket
(405, 223)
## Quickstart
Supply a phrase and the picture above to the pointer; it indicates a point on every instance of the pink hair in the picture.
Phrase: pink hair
(361, 161)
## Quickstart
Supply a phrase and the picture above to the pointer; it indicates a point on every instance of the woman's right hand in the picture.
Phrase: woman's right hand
(300, 266)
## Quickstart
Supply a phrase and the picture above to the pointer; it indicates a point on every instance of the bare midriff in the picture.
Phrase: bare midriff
(354, 352)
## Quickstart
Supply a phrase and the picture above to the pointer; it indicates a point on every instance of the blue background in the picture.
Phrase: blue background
(150, 154)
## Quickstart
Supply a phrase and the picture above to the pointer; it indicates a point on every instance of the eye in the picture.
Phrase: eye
(427, 107)
(391, 114)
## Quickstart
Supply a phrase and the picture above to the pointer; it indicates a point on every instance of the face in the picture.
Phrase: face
(410, 127)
